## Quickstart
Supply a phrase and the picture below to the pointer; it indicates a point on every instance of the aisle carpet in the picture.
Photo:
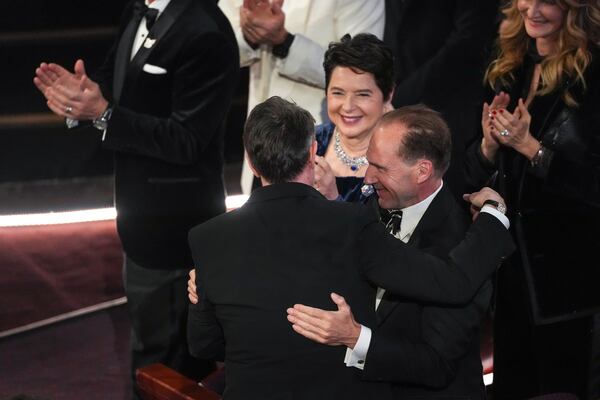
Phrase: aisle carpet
(50, 270)
(82, 358)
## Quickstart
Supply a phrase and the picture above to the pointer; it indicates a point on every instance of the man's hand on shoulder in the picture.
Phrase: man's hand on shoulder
(483, 197)
(192, 294)
(333, 328)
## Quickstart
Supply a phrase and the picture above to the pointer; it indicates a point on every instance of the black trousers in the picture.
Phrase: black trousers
(158, 307)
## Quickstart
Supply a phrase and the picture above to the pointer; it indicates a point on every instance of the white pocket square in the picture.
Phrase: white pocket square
(153, 69)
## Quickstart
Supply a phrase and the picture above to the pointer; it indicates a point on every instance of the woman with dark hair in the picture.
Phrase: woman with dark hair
(359, 81)
(541, 145)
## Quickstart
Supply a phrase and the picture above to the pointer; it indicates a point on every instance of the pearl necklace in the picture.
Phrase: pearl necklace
(353, 162)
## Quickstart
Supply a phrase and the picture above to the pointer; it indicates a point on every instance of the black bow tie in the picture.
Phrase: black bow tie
(392, 220)
(142, 10)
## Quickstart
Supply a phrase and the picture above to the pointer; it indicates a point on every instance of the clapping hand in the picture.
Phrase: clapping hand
(191, 287)
(325, 179)
(263, 22)
(70, 94)
(478, 198)
(489, 143)
(512, 130)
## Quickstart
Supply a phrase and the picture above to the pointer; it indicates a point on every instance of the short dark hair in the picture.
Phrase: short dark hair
(362, 53)
(428, 135)
(277, 138)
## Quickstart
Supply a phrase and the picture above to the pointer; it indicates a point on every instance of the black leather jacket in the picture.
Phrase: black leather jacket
(554, 206)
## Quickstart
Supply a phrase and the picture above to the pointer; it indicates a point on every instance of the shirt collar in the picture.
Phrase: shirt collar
(160, 5)
(411, 215)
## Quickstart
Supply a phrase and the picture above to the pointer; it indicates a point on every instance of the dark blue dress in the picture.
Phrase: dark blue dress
(348, 186)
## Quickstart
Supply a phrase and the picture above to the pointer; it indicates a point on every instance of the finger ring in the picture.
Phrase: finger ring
(504, 132)
(68, 109)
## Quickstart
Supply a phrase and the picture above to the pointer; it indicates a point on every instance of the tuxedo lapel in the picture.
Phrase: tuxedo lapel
(386, 306)
(436, 212)
(122, 57)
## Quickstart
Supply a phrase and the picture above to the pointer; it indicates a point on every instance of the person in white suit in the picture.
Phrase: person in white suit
(284, 43)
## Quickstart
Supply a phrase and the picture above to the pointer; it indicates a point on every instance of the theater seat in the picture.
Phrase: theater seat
(159, 382)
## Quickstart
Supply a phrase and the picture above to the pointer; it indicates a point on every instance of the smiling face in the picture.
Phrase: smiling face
(354, 102)
(395, 180)
(543, 19)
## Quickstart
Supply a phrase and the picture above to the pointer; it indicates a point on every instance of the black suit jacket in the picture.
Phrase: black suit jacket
(167, 129)
(288, 245)
(431, 352)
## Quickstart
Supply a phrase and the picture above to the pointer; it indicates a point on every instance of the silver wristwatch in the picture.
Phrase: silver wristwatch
(101, 122)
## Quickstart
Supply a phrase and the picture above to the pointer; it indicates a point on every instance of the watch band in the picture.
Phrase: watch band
(101, 122)
(497, 205)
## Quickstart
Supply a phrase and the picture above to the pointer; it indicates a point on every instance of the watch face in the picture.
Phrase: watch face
(502, 208)
(102, 121)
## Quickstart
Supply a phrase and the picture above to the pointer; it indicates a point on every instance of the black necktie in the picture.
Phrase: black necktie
(392, 220)
(142, 10)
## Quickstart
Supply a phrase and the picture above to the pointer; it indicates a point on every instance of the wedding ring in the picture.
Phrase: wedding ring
(504, 132)
(68, 109)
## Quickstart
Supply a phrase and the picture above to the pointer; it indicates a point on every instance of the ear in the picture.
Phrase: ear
(424, 170)
(387, 105)
(312, 153)
(254, 170)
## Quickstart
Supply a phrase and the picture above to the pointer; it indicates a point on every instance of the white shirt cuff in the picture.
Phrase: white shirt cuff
(497, 214)
(356, 357)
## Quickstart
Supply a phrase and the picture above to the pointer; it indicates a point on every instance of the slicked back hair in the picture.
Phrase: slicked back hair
(428, 136)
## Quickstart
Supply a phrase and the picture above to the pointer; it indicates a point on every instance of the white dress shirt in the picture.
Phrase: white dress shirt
(142, 32)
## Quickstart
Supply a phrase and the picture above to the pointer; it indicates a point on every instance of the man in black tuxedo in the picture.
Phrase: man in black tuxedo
(289, 244)
(425, 351)
(160, 101)
(440, 53)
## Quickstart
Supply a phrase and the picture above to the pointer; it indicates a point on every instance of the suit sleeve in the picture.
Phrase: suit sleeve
(406, 271)
(304, 62)
(473, 27)
(448, 334)
(205, 335)
(201, 90)
(478, 171)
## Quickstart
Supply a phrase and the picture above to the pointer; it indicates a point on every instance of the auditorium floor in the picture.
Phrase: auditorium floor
(81, 358)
